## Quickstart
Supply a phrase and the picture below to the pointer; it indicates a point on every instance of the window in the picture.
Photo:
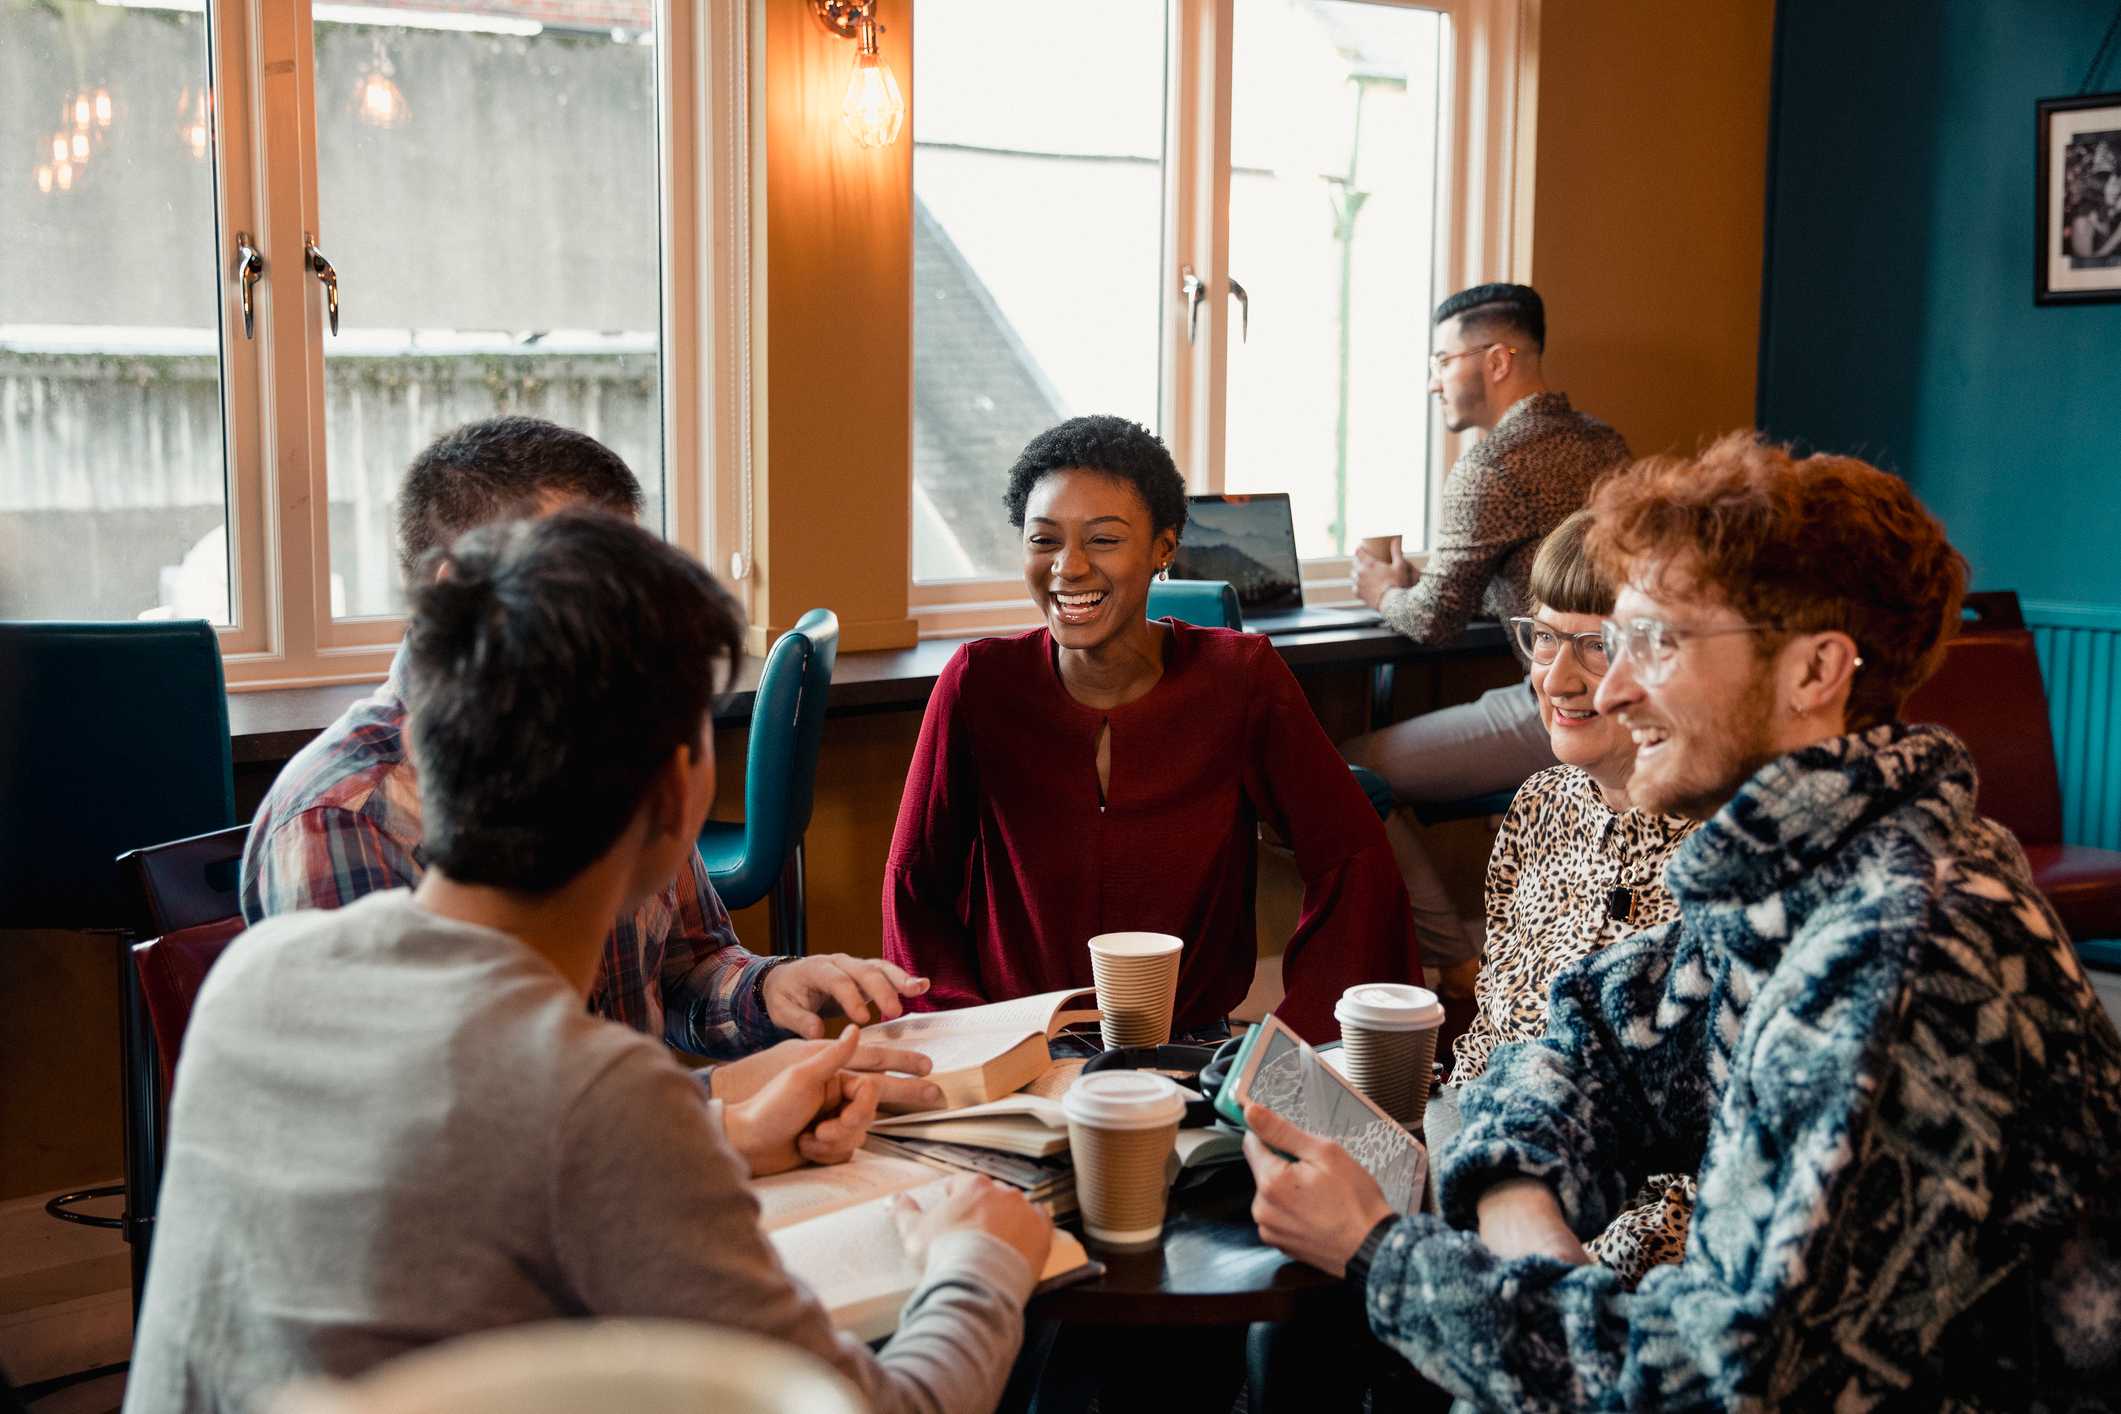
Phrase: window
(1319, 171)
(488, 185)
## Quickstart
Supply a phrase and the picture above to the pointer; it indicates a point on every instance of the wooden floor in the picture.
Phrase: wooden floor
(65, 1303)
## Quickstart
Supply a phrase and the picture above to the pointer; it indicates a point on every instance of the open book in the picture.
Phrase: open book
(834, 1231)
(982, 1053)
(1018, 1124)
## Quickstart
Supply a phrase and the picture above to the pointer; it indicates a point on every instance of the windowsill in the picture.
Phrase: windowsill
(273, 724)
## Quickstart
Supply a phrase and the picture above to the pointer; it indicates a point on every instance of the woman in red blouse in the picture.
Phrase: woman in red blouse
(1105, 773)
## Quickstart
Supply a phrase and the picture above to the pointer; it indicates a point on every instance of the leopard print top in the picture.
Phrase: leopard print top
(1559, 857)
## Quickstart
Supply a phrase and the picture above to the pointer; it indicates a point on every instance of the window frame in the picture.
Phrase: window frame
(262, 64)
(1485, 182)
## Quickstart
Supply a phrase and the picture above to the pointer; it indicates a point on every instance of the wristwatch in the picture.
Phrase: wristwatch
(1359, 1264)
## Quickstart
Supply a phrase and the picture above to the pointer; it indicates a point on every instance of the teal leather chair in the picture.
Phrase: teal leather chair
(1207, 603)
(763, 853)
(113, 738)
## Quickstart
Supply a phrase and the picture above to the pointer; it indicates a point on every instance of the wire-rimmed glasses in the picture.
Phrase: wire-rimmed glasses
(1651, 646)
(1542, 643)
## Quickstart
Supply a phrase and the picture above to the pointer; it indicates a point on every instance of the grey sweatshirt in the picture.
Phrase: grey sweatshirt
(389, 1129)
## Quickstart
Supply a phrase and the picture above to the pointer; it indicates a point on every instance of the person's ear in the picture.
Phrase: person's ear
(1819, 670)
(664, 807)
(1162, 546)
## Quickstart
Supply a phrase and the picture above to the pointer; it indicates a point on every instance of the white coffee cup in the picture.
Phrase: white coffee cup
(1122, 1127)
(1137, 984)
(1388, 1033)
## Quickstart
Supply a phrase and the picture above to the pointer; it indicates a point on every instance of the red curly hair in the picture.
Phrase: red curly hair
(1807, 543)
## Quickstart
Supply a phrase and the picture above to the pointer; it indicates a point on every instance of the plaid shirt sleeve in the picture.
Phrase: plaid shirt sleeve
(713, 989)
(324, 857)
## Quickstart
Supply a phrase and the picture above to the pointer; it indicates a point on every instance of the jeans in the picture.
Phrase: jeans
(1489, 744)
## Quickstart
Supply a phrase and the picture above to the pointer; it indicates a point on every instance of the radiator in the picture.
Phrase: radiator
(2080, 661)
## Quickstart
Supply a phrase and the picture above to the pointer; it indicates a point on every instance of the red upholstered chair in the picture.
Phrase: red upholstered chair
(1988, 691)
(188, 909)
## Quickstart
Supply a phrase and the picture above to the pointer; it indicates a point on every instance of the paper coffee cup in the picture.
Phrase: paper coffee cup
(1388, 1034)
(1137, 982)
(1122, 1125)
(1380, 546)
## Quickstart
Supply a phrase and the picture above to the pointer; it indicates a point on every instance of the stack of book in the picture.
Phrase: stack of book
(1020, 1140)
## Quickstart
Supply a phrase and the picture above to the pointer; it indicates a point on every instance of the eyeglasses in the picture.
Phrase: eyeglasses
(1437, 361)
(1542, 644)
(1651, 646)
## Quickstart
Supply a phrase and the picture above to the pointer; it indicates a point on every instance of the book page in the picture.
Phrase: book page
(809, 1192)
(1045, 1111)
(857, 1265)
(970, 1036)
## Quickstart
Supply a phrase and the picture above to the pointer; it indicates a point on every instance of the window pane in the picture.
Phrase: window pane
(1037, 234)
(488, 184)
(1332, 221)
(113, 477)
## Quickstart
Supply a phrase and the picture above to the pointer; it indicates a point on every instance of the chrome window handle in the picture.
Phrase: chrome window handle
(250, 268)
(329, 277)
(1195, 290)
(1244, 312)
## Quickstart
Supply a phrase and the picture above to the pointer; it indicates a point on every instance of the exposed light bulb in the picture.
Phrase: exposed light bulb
(63, 173)
(44, 177)
(379, 102)
(82, 112)
(195, 137)
(873, 109)
(80, 146)
(58, 148)
(103, 108)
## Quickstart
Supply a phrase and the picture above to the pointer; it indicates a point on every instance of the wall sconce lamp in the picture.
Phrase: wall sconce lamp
(873, 109)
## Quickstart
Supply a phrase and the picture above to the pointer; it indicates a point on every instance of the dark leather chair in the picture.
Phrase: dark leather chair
(189, 911)
(113, 736)
(1988, 691)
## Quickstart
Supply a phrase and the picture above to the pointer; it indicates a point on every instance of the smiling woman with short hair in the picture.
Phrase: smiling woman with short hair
(1106, 772)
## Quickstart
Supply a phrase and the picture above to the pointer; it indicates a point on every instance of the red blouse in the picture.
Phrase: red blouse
(1005, 863)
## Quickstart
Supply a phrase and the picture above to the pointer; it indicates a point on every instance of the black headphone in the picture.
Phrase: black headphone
(1193, 1064)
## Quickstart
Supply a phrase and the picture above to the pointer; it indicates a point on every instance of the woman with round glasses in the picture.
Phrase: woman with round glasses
(1575, 865)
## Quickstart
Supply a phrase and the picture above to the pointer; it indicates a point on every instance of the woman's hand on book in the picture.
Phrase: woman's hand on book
(1314, 1201)
(973, 1203)
(811, 1110)
(738, 1080)
(800, 994)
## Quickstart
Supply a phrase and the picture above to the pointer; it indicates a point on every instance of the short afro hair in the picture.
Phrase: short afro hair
(1114, 446)
(1488, 310)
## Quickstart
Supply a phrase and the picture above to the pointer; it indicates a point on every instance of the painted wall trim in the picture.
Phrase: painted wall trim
(2061, 613)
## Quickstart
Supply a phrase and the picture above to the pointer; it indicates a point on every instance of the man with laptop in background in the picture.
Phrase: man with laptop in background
(1534, 464)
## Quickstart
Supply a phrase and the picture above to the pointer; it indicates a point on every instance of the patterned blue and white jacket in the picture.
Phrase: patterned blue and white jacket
(1869, 1035)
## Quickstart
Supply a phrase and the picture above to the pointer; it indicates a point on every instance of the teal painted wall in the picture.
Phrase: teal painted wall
(1898, 323)
(1898, 320)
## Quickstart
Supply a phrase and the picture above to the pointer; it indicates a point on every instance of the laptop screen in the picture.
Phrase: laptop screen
(1247, 540)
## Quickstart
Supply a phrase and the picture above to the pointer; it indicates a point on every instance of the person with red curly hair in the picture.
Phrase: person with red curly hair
(1865, 1033)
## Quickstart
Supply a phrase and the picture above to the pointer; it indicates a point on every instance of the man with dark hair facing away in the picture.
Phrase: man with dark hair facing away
(1865, 1032)
(345, 817)
(396, 1123)
(1533, 465)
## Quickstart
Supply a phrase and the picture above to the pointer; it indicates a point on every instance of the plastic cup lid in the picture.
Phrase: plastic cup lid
(1123, 1099)
(1389, 1005)
(1135, 944)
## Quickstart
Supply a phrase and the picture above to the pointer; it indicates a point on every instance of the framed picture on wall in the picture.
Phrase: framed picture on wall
(2078, 259)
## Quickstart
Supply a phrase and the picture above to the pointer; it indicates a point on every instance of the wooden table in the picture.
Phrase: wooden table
(1212, 1269)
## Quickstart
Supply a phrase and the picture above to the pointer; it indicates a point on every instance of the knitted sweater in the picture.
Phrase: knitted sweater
(1872, 1041)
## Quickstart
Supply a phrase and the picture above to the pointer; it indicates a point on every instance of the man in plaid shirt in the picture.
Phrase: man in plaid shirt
(343, 819)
